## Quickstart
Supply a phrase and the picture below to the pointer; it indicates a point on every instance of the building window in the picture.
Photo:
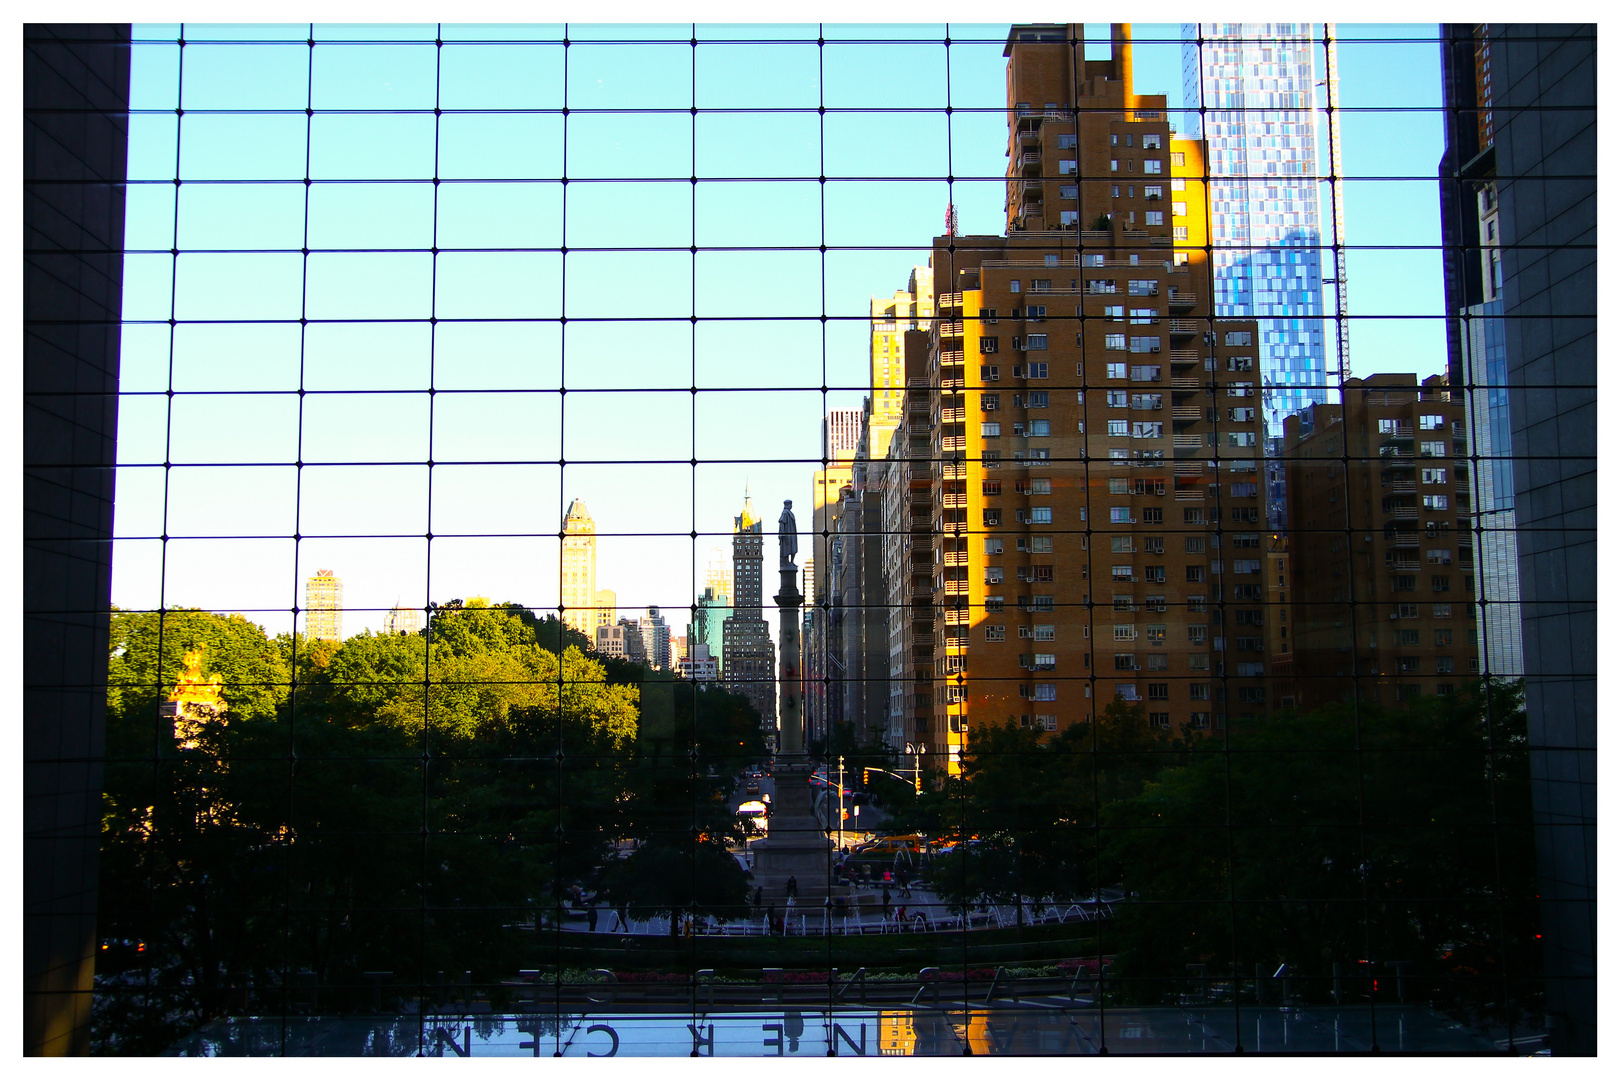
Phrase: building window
(1110, 341)
(990, 429)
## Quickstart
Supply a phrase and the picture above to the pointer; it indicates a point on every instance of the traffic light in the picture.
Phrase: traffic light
(866, 777)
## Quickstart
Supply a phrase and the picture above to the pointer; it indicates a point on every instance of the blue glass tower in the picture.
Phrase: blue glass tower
(1256, 84)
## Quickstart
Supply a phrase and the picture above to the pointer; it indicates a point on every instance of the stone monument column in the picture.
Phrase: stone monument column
(788, 601)
(796, 846)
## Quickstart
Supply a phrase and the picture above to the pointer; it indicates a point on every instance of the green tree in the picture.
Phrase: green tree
(678, 809)
(1343, 835)
(178, 867)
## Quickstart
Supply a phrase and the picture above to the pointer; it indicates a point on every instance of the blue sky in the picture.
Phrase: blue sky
(759, 353)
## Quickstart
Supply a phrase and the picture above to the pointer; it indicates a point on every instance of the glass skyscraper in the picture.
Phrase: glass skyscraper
(1256, 83)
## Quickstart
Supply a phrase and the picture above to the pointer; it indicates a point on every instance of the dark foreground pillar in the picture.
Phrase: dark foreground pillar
(75, 137)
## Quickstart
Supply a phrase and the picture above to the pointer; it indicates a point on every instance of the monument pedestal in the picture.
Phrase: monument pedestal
(796, 846)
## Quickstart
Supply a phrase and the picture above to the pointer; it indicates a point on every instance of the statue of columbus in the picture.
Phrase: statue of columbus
(787, 533)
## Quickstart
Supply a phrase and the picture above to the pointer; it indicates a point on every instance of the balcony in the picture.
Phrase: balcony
(1029, 160)
(1402, 513)
(956, 558)
(1185, 327)
(1185, 413)
(1184, 356)
(1402, 487)
(953, 442)
(953, 500)
(948, 415)
(1189, 442)
(952, 356)
(950, 328)
(1183, 385)
(950, 300)
(1182, 299)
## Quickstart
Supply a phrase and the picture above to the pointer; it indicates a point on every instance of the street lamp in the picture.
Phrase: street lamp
(916, 773)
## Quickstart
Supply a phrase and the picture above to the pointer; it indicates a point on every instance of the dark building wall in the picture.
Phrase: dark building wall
(1545, 104)
(1459, 219)
(75, 135)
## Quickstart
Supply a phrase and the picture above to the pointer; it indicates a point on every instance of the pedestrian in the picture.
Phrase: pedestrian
(590, 918)
(759, 893)
(792, 886)
(901, 917)
(887, 905)
(905, 882)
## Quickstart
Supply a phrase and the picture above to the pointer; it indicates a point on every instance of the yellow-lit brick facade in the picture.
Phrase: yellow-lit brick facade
(1099, 524)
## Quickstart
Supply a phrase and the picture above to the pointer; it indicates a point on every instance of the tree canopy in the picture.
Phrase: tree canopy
(398, 802)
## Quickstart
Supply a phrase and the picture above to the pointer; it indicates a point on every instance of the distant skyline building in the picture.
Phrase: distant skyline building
(1256, 83)
(610, 641)
(606, 604)
(402, 620)
(841, 434)
(707, 627)
(749, 661)
(701, 666)
(579, 569)
(323, 606)
(631, 639)
(910, 308)
(655, 639)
